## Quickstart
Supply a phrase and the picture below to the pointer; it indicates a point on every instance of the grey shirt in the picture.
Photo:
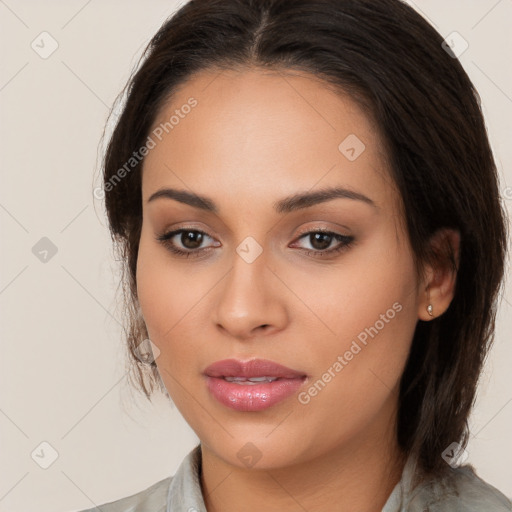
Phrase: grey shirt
(461, 491)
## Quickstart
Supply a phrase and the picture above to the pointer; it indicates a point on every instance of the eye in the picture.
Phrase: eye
(326, 242)
(190, 240)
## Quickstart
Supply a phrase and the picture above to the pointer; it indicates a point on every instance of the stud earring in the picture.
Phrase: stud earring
(430, 310)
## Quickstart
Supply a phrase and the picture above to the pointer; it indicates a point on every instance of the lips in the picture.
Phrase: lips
(254, 368)
(252, 385)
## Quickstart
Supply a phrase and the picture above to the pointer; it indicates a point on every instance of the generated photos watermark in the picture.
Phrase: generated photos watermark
(356, 347)
(138, 156)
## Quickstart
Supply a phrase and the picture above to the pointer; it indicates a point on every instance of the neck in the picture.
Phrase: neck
(358, 477)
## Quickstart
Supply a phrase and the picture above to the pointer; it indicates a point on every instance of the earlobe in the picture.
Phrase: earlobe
(439, 285)
(426, 310)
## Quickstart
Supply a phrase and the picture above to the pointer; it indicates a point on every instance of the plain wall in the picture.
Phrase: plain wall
(62, 363)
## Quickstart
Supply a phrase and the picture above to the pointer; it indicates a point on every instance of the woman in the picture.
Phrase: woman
(307, 206)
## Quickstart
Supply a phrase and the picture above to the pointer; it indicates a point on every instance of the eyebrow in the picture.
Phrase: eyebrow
(286, 205)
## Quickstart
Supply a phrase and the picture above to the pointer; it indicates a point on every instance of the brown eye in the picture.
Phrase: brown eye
(186, 242)
(325, 242)
(191, 239)
(320, 241)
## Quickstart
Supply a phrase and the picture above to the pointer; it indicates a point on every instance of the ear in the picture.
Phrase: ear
(438, 286)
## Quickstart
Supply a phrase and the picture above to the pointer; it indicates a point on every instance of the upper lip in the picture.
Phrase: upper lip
(251, 368)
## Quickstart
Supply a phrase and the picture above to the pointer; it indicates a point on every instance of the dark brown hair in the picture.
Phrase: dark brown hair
(391, 61)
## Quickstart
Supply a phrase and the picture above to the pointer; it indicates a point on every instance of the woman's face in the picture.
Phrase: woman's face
(260, 280)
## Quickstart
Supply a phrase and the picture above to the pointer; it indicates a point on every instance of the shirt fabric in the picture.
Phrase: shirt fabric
(461, 491)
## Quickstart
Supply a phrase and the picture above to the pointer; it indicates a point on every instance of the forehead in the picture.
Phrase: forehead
(258, 133)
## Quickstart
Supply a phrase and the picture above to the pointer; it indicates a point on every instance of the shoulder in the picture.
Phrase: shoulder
(169, 493)
(460, 490)
(153, 498)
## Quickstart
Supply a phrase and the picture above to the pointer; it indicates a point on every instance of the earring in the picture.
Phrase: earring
(430, 308)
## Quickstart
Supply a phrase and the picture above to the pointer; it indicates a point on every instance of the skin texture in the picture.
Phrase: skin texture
(253, 138)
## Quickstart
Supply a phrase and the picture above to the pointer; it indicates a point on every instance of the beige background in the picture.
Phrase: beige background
(62, 362)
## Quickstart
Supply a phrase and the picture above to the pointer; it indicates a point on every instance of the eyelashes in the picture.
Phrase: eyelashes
(195, 237)
(167, 240)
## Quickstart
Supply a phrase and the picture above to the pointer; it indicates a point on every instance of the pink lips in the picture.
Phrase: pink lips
(241, 394)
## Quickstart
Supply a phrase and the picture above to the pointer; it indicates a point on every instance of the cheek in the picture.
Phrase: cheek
(368, 312)
(173, 300)
(163, 293)
(350, 295)
(163, 300)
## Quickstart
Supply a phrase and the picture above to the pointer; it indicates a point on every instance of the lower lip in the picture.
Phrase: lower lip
(252, 397)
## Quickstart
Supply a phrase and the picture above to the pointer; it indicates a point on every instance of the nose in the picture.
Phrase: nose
(251, 300)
